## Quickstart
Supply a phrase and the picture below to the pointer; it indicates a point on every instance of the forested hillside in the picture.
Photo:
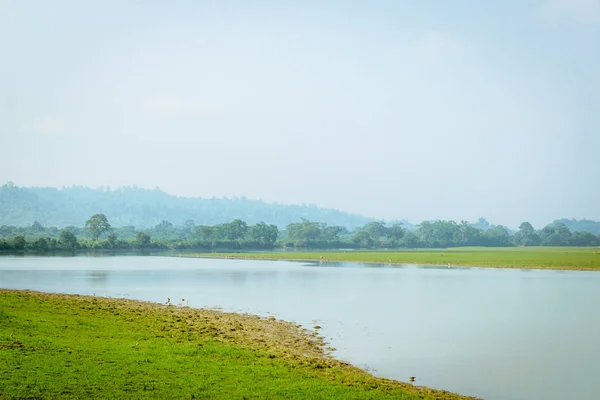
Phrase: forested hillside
(21, 206)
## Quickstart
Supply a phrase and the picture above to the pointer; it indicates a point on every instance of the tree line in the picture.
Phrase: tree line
(433, 234)
(98, 233)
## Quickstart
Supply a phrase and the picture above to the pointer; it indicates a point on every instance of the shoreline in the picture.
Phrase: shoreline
(249, 256)
(289, 343)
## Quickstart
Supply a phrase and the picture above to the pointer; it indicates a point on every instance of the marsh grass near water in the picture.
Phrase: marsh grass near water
(69, 346)
(573, 258)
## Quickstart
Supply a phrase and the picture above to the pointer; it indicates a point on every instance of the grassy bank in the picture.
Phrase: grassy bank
(65, 346)
(575, 258)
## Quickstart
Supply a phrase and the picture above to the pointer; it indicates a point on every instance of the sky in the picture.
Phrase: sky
(416, 109)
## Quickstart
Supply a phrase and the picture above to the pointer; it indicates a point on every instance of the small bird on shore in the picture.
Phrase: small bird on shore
(412, 378)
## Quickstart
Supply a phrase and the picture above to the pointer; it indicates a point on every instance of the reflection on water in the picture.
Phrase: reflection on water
(98, 277)
(494, 333)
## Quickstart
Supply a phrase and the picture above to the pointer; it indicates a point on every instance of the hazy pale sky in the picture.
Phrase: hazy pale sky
(393, 109)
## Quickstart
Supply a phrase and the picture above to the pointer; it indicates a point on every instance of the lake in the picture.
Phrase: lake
(493, 333)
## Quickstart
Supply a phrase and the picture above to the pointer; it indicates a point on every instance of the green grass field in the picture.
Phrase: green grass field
(76, 347)
(576, 258)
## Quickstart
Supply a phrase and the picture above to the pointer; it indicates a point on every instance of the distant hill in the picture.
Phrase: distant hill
(581, 225)
(21, 206)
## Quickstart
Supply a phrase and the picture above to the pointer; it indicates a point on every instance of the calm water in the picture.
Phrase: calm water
(493, 333)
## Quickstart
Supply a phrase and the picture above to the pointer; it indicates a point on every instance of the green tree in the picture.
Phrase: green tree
(526, 236)
(205, 233)
(234, 230)
(363, 239)
(409, 241)
(263, 233)
(555, 235)
(97, 225)
(5, 245)
(142, 240)
(584, 239)
(112, 240)
(375, 229)
(19, 242)
(188, 228)
(396, 231)
(304, 232)
(67, 240)
(331, 233)
(165, 230)
(40, 244)
(469, 235)
(497, 236)
(52, 244)
(438, 233)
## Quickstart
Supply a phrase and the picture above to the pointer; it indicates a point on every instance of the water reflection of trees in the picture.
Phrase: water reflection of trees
(97, 276)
